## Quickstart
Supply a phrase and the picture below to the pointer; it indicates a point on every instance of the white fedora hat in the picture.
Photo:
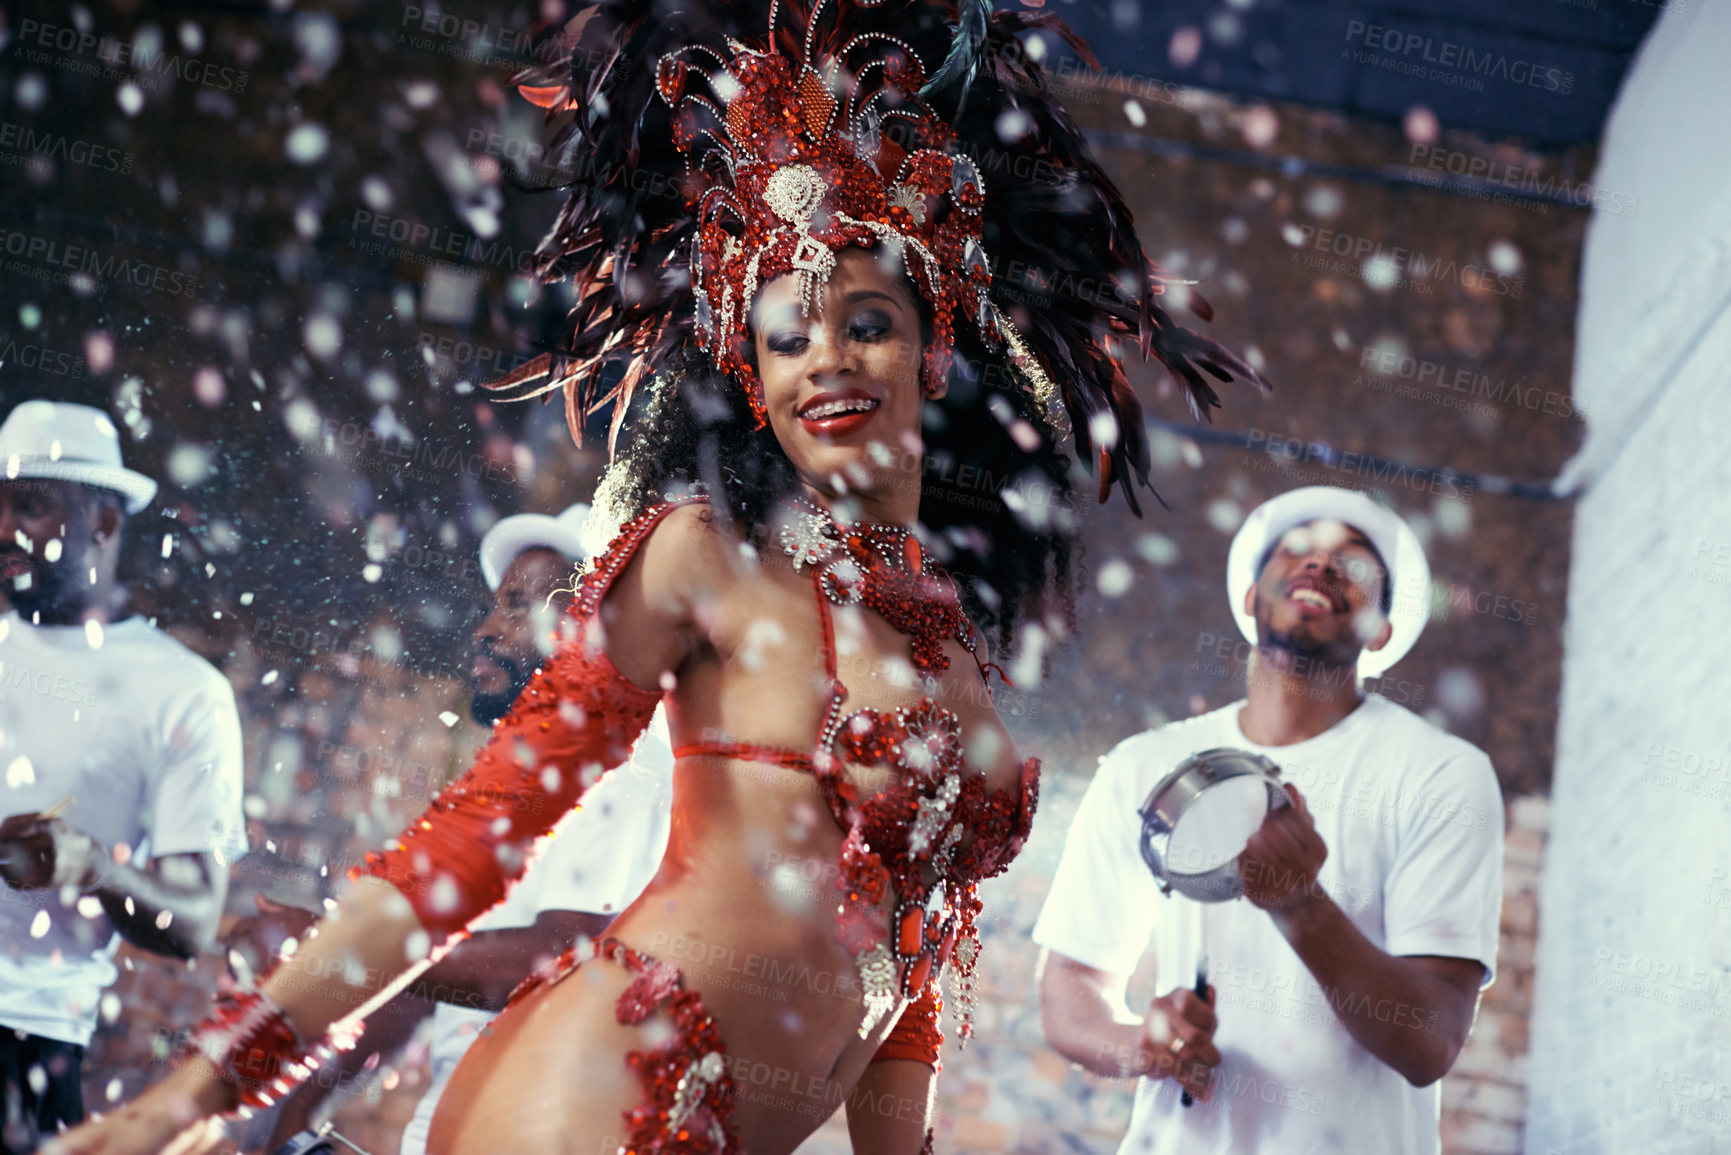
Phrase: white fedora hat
(512, 535)
(59, 441)
(1408, 571)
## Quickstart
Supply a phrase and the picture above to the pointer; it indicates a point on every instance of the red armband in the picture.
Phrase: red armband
(577, 719)
(919, 1033)
(250, 1043)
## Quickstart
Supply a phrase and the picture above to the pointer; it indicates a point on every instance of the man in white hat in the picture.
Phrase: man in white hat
(122, 758)
(1343, 989)
(595, 863)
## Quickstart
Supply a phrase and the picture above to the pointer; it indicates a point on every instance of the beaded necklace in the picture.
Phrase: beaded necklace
(885, 568)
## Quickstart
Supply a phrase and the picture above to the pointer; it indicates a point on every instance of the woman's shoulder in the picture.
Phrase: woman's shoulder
(668, 543)
(687, 532)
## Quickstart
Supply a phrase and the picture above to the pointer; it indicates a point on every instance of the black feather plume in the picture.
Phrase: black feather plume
(623, 233)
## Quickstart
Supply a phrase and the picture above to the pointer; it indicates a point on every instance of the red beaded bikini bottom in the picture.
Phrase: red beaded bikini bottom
(687, 1106)
(688, 1094)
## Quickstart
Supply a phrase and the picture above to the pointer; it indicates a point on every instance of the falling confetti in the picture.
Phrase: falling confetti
(20, 773)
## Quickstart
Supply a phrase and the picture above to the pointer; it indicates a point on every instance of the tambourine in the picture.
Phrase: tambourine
(1197, 820)
(324, 1141)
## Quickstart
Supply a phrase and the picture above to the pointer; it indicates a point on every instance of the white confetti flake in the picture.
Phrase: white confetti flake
(1381, 272)
(20, 773)
(1506, 259)
(189, 464)
(1012, 125)
(1323, 200)
(93, 633)
(51, 551)
(448, 718)
(31, 91)
(1185, 46)
(1420, 125)
(323, 336)
(307, 143)
(1157, 548)
(1116, 578)
(1459, 692)
(444, 896)
(40, 924)
(1261, 126)
(1224, 515)
(209, 387)
(269, 679)
(90, 906)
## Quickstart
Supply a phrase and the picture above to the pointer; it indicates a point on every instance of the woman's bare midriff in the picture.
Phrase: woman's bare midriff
(744, 903)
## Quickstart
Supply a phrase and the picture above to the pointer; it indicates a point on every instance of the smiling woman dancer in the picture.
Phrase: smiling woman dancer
(822, 336)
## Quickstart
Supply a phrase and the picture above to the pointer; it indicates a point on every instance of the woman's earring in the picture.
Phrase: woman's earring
(928, 379)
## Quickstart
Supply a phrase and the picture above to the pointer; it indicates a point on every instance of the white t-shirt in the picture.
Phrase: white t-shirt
(597, 859)
(1413, 820)
(144, 735)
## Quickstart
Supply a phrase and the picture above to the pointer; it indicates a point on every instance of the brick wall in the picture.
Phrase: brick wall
(1484, 1099)
(1492, 679)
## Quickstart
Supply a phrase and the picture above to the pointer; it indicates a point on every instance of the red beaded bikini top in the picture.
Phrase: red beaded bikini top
(936, 831)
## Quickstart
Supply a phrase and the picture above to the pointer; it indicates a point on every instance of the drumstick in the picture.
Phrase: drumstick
(327, 1131)
(1201, 978)
(1202, 993)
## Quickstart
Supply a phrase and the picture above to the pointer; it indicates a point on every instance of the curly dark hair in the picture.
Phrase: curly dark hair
(998, 503)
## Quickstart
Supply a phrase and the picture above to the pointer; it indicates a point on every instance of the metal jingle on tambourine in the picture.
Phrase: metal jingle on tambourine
(1175, 794)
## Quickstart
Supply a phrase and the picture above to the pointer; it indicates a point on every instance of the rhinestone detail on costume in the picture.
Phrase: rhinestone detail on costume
(911, 837)
(803, 177)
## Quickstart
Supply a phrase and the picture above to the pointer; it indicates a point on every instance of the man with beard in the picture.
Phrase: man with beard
(122, 757)
(1346, 986)
(593, 865)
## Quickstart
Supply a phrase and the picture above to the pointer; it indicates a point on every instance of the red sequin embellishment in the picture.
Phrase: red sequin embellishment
(688, 1095)
(784, 175)
(935, 832)
(577, 719)
(249, 1041)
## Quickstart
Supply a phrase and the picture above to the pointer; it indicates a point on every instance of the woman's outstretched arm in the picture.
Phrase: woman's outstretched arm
(359, 948)
(578, 718)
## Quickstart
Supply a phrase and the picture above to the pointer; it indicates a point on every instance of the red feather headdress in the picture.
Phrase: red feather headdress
(777, 135)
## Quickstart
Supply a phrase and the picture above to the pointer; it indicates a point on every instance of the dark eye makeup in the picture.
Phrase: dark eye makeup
(787, 342)
(787, 337)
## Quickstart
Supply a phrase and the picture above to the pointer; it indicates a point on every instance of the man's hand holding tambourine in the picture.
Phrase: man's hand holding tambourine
(1282, 860)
